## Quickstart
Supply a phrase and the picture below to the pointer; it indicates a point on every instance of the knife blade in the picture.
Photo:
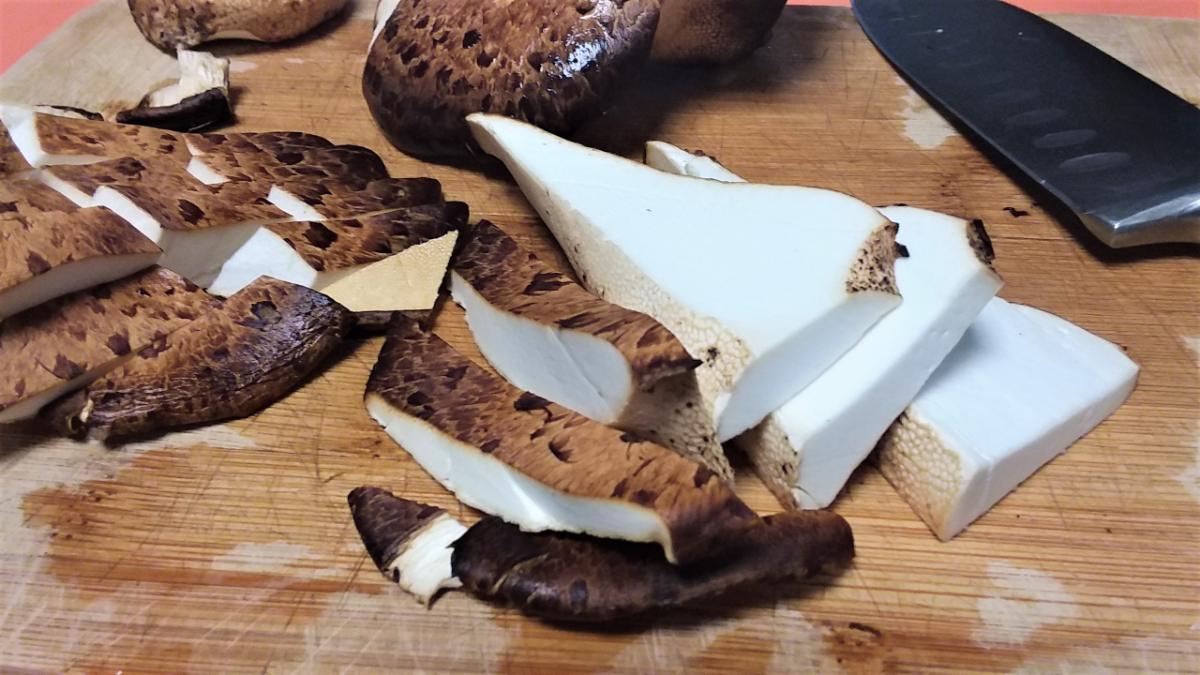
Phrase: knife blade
(1120, 151)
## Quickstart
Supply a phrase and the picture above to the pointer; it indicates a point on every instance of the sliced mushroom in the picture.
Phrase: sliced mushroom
(47, 255)
(713, 31)
(48, 139)
(560, 576)
(12, 162)
(537, 464)
(173, 24)
(199, 100)
(549, 62)
(409, 542)
(232, 361)
(67, 343)
(317, 199)
(268, 158)
(549, 336)
(26, 198)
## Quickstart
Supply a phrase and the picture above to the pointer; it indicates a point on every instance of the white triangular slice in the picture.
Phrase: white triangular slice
(767, 285)
(1021, 386)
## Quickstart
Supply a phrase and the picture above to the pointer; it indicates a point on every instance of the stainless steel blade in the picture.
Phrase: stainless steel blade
(1119, 150)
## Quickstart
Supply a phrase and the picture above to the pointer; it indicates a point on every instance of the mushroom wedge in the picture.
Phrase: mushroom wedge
(269, 159)
(48, 139)
(172, 24)
(548, 62)
(321, 199)
(232, 361)
(713, 31)
(388, 262)
(546, 334)
(538, 465)
(12, 162)
(569, 577)
(47, 255)
(768, 285)
(952, 457)
(67, 343)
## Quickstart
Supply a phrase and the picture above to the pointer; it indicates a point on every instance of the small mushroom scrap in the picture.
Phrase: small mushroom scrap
(199, 100)
(553, 63)
(534, 463)
(713, 31)
(67, 343)
(232, 361)
(548, 335)
(174, 24)
(570, 577)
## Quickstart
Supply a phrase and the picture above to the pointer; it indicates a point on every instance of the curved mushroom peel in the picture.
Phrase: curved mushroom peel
(65, 344)
(54, 139)
(672, 159)
(807, 450)
(570, 577)
(549, 62)
(409, 542)
(536, 464)
(713, 31)
(767, 285)
(173, 24)
(47, 255)
(549, 336)
(952, 457)
(231, 361)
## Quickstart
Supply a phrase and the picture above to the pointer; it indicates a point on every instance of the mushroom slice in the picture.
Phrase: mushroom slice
(1021, 386)
(317, 199)
(200, 99)
(65, 344)
(232, 361)
(172, 24)
(391, 261)
(548, 62)
(560, 576)
(269, 161)
(48, 139)
(12, 162)
(767, 285)
(713, 31)
(549, 336)
(534, 463)
(672, 159)
(409, 542)
(26, 198)
(48, 255)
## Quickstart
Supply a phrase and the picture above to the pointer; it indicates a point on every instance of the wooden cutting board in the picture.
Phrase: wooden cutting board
(230, 548)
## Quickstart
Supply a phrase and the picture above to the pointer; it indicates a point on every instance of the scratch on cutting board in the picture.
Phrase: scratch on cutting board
(1135, 655)
(922, 124)
(1024, 600)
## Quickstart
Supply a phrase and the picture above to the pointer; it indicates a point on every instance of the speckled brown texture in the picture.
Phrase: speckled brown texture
(554, 63)
(60, 135)
(335, 198)
(337, 244)
(875, 267)
(26, 198)
(232, 361)
(33, 245)
(170, 24)
(175, 198)
(561, 576)
(386, 523)
(255, 144)
(713, 31)
(65, 338)
(272, 158)
(200, 111)
(421, 376)
(981, 243)
(11, 159)
(516, 281)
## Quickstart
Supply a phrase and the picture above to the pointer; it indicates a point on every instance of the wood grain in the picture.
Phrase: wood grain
(231, 549)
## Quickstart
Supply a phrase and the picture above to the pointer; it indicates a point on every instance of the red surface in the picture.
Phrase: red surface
(24, 22)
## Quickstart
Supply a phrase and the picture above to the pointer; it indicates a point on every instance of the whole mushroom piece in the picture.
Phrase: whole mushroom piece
(553, 63)
(713, 31)
(176, 24)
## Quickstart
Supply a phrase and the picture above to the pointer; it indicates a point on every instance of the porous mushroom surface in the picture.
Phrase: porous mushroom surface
(172, 24)
(537, 464)
(47, 255)
(548, 335)
(713, 31)
(767, 285)
(548, 62)
(1019, 388)
(67, 343)
(231, 361)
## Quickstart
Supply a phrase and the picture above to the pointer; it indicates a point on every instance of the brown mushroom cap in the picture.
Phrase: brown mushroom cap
(173, 24)
(713, 31)
(550, 62)
(232, 361)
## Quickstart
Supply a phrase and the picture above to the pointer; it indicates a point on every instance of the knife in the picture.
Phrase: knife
(1120, 151)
